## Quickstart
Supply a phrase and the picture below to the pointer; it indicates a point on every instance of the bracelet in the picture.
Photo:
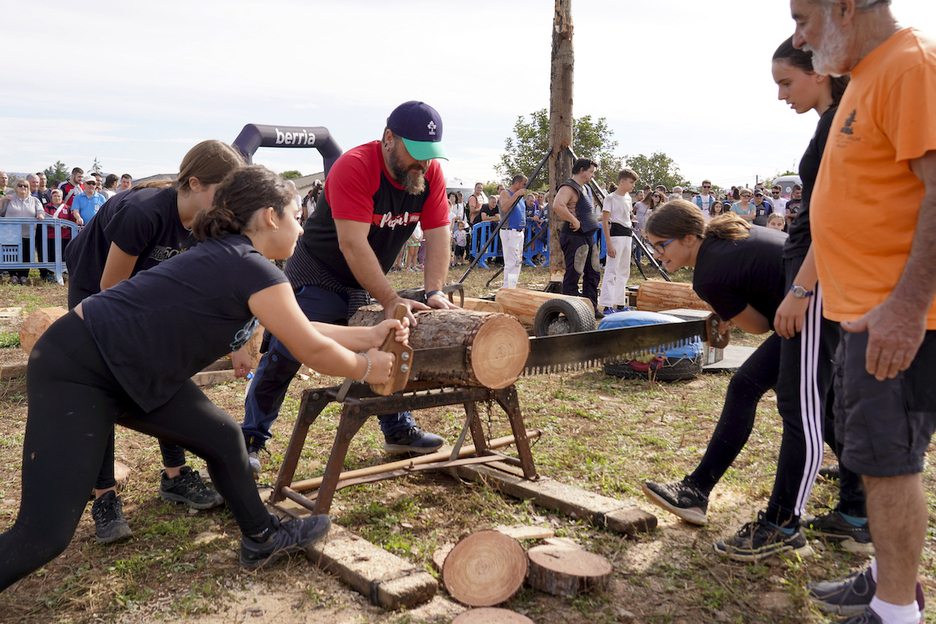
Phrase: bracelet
(433, 293)
(367, 372)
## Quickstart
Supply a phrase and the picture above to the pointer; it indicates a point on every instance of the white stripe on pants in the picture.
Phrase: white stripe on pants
(616, 273)
(512, 248)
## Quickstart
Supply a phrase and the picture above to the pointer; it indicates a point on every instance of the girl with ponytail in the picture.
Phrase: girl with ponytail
(128, 353)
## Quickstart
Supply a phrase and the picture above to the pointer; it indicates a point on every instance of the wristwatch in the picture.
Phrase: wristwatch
(799, 292)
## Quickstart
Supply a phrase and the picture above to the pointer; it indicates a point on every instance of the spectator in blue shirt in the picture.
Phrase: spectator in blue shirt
(88, 203)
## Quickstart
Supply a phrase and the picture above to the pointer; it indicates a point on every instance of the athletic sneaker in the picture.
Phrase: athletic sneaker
(283, 539)
(254, 446)
(760, 539)
(680, 498)
(830, 472)
(608, 310)
(834, 528)
(851, 595)
(109, 522)
(188, 488)
(413, 440)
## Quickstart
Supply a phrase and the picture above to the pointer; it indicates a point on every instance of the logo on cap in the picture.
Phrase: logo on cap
(432, 128)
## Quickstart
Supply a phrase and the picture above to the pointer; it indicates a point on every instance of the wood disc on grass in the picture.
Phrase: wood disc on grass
(564, 571)
(491, 615)
(485, 569)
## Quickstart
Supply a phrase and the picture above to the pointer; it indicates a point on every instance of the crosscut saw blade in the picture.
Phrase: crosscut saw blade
(583, 350)
(568, 352)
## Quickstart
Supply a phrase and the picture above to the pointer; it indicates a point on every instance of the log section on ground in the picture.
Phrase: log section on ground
(36, 324)
(563, 571)
(657, 295)
(496, 345)
(485, 569)
(523, 303)
(491, 615)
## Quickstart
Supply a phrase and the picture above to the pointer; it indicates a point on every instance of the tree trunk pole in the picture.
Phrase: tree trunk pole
(560, 124)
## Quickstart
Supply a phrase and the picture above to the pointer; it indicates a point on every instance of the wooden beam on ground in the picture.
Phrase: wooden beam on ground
(9, 371)
(387, 580)
(210, 378)
(602, 511)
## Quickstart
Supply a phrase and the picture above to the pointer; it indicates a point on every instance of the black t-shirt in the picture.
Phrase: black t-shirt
(143, 223)
(486, 211)
(800, 237)
(158, 329)
(730, 275)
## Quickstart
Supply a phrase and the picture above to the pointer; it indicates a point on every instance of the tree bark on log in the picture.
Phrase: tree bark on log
(485, 569)
(523, 303)
(657, 295)
(497, 346)
(561, 79)
(564, 571)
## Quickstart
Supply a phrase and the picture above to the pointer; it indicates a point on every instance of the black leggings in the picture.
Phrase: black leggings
(74, 402)
(172, 454)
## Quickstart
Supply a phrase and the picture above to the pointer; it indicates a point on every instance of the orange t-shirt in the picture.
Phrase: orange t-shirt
(865, 205)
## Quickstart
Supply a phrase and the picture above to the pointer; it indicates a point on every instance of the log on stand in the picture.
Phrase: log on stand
(485, 569)
(565, 571)
(497, 345)
(657, 295)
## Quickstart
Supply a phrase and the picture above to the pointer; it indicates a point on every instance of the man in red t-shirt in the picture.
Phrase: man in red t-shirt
(374, 196)
(73, 186)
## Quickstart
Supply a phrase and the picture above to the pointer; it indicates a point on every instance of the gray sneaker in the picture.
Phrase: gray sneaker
(760, 539)
(109, 522)
(283, 539)
(188, 488)
(851, 595)
(834, 528)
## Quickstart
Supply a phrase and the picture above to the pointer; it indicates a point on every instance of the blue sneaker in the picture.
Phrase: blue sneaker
(608, 310)
(412, 440)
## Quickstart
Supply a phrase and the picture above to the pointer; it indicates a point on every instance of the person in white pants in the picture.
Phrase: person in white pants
(616, 224)
(512, 232)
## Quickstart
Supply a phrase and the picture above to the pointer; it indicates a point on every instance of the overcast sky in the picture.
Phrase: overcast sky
(136, 84)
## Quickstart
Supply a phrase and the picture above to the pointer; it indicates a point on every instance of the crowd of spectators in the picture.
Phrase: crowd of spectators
(77, 200)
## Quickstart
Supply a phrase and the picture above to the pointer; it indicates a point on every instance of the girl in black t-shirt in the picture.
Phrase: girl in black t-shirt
(127, 355)
(739, 272)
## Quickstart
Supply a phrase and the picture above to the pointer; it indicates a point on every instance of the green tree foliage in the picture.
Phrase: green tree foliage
(658, 168)
(292, 173)
(590, 139)
(56, 173)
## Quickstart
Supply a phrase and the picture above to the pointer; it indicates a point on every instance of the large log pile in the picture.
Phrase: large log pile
(496, 345)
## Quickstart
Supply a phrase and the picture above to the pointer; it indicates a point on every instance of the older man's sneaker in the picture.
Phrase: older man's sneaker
(413, 440)
(282, 539)
(833, 527)
(109, 522)
(760, 539)
(189, 489)
(851, 595)
(680, 497)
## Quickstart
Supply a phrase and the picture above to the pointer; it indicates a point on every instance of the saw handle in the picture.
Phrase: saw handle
(715, 339)
(403, 361)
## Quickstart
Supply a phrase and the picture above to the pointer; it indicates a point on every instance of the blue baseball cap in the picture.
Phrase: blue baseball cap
(420, 127)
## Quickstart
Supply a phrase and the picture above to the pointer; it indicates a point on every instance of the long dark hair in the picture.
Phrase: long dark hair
(241, 194)
(802, 60)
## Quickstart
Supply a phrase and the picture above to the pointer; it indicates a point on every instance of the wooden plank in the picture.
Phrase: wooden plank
(387, 580)
(610, 513)
(209, 378)
(9, 371)
(526, 532)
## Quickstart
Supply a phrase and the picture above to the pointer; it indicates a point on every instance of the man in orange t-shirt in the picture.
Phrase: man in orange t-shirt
(874, 235)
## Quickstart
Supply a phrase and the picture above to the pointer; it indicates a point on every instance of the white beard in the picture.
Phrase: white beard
(832, 56)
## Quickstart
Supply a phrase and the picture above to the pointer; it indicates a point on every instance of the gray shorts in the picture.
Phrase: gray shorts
(885, 426)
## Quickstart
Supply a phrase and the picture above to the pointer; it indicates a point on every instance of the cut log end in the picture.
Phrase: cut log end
(499, 352)
(491, 615)
(485, 569)
(564, 571)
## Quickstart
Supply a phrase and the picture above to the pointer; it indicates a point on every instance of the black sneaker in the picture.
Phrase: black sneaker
(283, 539)
(834, 528)
(413, 440)
(830, 472)
(680, 498)
(109, 522)
(851, 595)
(759, 539)
(188, 488)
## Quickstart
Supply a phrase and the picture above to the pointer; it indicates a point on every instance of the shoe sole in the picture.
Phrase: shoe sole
(838, 609)
(123, 534)
(176, 498)
(692, 516)
(847, 542)
(802, 551)
(312, 538)
(395, 449)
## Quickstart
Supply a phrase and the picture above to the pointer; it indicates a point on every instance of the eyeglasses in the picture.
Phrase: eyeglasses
(745, 195)
(655, 196)
(707, 186)
(90, 183)
(22, 186)
(660, 248)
